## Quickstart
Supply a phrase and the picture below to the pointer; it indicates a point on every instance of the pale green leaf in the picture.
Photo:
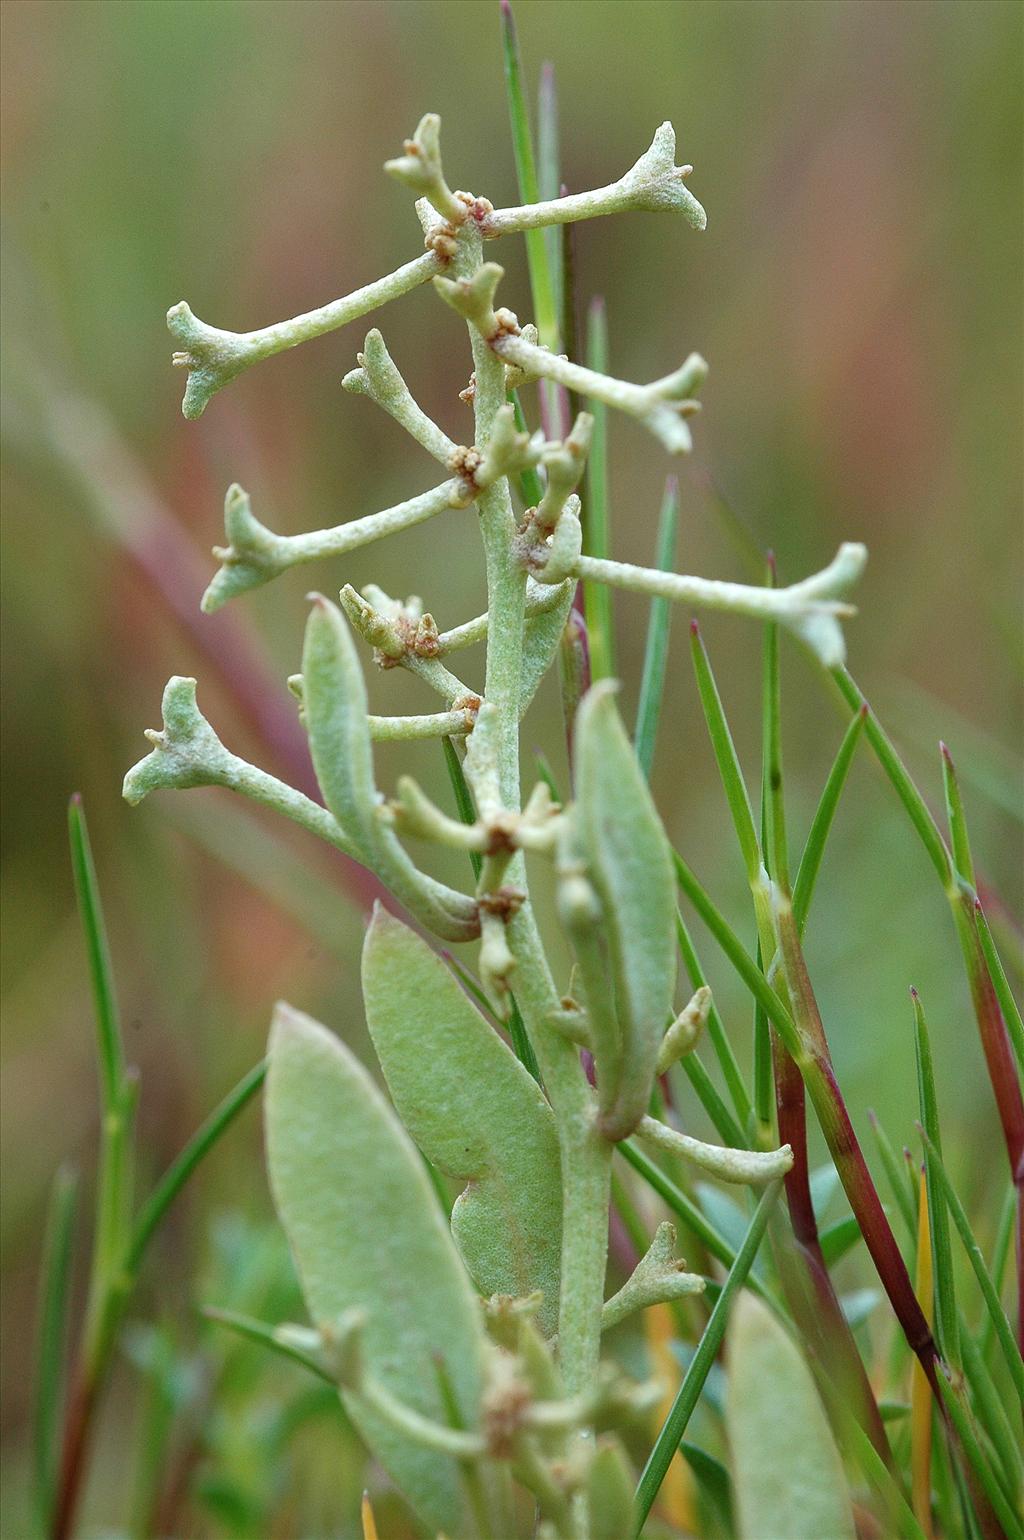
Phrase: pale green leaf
(334, 694)
(541, 636)
(473, 1110)
(788, 1477)
(630, 867)
(367, 1234)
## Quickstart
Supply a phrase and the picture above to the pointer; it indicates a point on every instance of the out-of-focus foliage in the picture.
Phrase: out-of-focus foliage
(858, 296)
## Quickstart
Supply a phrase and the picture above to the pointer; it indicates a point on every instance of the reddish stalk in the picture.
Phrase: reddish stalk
(819, 1079)
(828, 1322)
(78, 1424)
(995, 1041)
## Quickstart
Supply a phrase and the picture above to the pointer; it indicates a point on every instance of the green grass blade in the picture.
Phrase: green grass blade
(1004, 994)
(938, 1218)
(463, 796)
(545, 312)
(707, 1094)
(764, 1073)
(874, 1468)
(521, 1042)
(1005, 1229)
(108, 1025)
(967, 1433)
(258, 1331)
(726, 757)
(738, 955)
(687, 1211)
(821, 824)
(597, 597)
(896, 1176)
(547, 775)
(54, 1288)
(956, 818)
(714, 1481)
(531, 489)
(992, 1414)
(885, 751)
(652, 680)
(669, 1438)
(549, 181)
(178, 1172)
(997, 1321)
(773, 811)
(839, 1238)
(715, 1028)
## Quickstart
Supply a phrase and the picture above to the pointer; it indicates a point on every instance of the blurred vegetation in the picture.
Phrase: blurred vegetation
(858, 295)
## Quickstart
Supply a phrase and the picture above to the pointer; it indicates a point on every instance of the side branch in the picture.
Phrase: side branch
(811, 609)
(214, 357)
(255, 554)
(655, 183)
(661, 406)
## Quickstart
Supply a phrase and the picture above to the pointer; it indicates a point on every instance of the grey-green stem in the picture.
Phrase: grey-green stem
(214, 357)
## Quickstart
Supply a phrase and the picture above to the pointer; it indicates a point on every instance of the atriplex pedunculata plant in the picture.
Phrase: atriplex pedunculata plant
(469, 1354)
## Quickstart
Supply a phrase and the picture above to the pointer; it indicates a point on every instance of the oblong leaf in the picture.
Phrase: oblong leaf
(788, 1476)
(334, 695)
(367, 1234)
(541, 635)
(473, 1110)
(630, 866)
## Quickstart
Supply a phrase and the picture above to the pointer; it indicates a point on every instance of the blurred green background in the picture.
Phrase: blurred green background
(858, 295)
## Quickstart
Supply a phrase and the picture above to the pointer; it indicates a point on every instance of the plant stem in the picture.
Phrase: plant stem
(585, 1155)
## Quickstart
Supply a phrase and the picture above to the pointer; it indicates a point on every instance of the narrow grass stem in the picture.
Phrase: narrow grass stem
(707, 1350)
(585, 1155)
(54, 1291)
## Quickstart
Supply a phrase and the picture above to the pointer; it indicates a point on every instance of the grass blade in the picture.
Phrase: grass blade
(669, 1438)
(545, 312)
(652, 681)
(549, 180)
(54, 1288)
(1000, 1256)
(874, 1467)
(707, 1094)
(715, 1029)
(178, 1172)
(962, 858)
(920, 1391)
(1004, 994)
(737, 954)
(839, 1238)
(773, 812)
(463, 796)
(997, 1321)
(991, 1412)
(726, 757)
(942, 1255)
(961, 1419)
(885, 751)
(108, 1025)
(821, 824)
(597, 597)
(895, 1173)
(531, 489)
(684, 1208)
